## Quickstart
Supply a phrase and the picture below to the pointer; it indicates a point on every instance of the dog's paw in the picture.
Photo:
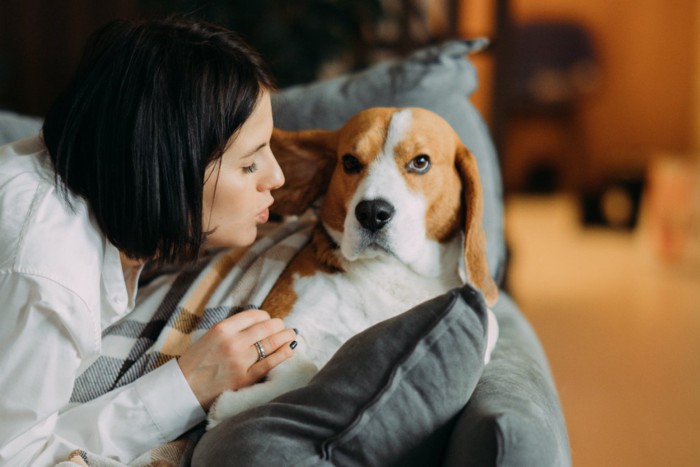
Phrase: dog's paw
(231, 403)
(225, 406)
(292, 374)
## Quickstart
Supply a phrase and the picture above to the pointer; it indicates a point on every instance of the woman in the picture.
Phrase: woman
(158, 147)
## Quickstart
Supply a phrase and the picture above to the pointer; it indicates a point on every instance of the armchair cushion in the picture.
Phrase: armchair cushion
(514, 417)
(14, 126)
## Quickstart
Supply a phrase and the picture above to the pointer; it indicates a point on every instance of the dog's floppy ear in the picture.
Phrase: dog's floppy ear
(474, 236)
(307, 159)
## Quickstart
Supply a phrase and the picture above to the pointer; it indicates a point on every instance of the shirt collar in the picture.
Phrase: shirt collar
(120, 286)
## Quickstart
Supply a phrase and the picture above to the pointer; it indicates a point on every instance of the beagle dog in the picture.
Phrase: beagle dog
(400, 223)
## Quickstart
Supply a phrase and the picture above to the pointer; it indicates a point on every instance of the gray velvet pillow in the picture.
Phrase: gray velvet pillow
(388, 396)
(440, 79)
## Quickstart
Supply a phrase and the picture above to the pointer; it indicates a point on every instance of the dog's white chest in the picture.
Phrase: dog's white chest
(331, 308)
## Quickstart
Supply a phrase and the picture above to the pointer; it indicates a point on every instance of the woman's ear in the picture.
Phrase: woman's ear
(474, 236)
(307, 159)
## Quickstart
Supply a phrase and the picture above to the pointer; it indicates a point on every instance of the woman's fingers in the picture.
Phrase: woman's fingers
(262, 330)
(273, 343)
(254, 325)
(244, 320)
(225, 357)
(283, 344)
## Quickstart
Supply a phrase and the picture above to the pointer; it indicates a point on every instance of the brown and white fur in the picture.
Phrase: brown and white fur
(400, 223)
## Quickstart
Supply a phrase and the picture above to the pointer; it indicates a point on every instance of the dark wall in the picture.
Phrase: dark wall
(40, 45)
(41, 40)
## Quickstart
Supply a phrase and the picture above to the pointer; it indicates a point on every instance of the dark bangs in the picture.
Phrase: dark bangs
(152, 104)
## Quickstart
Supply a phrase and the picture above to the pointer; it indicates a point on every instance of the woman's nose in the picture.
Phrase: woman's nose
(274, 177)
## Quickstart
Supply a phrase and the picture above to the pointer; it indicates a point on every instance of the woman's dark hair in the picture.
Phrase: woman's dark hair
(151, 105)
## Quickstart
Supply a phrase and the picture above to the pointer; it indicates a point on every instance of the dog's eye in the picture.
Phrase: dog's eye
(419, 164)
(351, 164)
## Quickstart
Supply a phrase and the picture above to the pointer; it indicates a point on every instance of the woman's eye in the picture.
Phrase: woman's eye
(419, 164)
(250, 168)
(351, 164)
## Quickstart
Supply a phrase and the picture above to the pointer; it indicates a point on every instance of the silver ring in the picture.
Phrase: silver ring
(261, 350)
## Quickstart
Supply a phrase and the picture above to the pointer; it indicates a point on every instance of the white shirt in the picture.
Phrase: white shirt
(61, 284)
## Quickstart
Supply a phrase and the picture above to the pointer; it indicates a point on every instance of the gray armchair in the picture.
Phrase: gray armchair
(513, 416)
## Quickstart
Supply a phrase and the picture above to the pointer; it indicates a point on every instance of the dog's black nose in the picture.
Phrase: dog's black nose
(374, 214)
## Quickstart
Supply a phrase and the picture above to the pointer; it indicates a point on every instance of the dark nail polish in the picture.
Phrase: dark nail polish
(296, 331)
(293, 344)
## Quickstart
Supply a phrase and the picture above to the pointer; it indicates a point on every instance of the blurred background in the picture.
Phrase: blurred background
(594, 106)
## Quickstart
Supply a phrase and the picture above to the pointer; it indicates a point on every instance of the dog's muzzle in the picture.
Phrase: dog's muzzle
(374, 214)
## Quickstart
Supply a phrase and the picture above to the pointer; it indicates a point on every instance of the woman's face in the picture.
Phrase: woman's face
(237, 187)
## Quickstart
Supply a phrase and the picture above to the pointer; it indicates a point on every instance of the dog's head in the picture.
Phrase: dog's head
(397, 182)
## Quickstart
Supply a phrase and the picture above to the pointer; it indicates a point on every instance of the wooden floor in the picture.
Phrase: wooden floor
(621, 330)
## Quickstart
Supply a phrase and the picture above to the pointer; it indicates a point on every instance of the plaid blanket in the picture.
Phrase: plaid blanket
(174, 310)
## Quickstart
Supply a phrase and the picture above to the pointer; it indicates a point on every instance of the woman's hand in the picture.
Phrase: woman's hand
(225, 357)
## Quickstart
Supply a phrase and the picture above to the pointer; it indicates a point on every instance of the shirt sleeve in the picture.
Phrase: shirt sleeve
(46, 334)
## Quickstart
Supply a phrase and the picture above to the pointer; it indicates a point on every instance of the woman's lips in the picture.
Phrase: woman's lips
(263, 216)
